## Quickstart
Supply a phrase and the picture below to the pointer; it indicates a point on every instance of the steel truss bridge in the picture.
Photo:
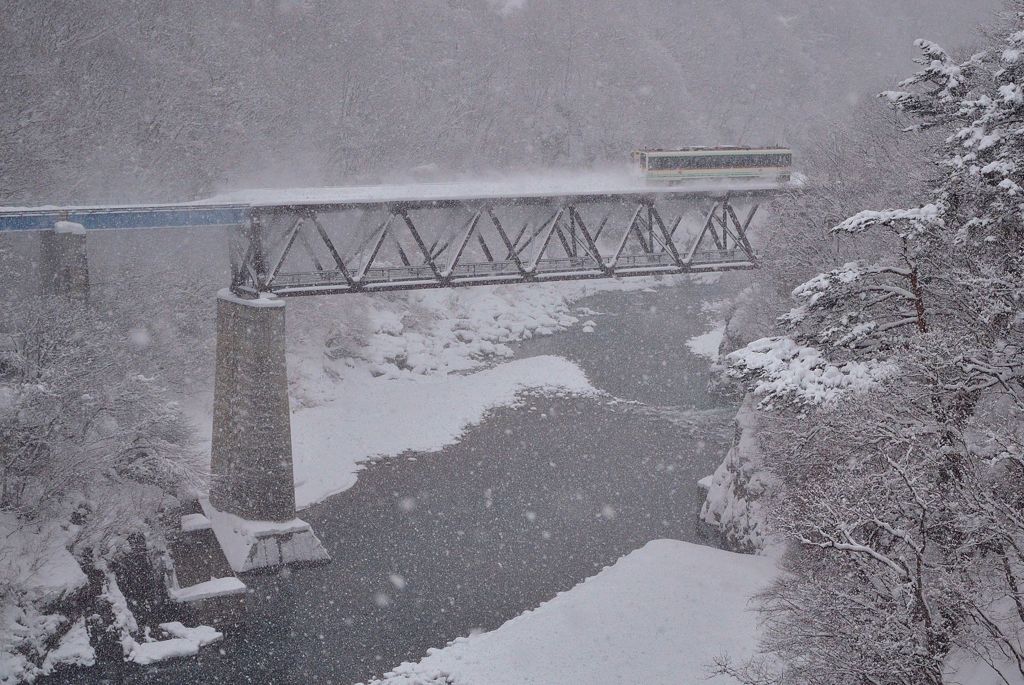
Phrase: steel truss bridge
(374, 240)
(333, 241)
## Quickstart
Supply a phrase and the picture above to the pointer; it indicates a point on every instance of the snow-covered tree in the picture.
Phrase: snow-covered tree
(896, 398)
(92, 454)
(77, 412)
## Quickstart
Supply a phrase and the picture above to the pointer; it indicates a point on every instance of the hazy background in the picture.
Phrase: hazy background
(128, 100)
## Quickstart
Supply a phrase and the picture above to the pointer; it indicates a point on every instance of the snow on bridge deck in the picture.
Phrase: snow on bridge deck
(535, 187)
(231, 209)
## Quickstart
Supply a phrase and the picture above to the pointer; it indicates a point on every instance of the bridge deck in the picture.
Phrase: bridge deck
(232, 209)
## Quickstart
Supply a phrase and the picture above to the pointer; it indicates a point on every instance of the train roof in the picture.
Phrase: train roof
(714, 148)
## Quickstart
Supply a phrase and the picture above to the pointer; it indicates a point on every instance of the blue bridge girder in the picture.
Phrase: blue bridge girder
(125, 218)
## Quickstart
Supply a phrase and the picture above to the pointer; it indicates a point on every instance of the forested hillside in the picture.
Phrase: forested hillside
(124, 100)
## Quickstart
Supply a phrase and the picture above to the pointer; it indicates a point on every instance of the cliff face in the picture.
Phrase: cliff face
(739, 487)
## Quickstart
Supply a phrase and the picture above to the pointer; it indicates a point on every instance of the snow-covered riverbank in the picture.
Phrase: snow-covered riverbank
(661, 614)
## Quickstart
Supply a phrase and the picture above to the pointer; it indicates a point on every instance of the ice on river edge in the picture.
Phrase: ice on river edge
(374, 418)
(708, 344)
(380, 408)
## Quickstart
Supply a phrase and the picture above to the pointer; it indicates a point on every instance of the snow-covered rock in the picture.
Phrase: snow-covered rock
(184, 641)
(36, 570)
(191, 523)
(24, 633)
(215, 587)
(74, 649)
(785, 370)
(253, 545)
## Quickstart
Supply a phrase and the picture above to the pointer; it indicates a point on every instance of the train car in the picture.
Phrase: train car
(702, 163)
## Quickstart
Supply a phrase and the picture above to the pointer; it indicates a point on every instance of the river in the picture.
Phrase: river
(430, 546)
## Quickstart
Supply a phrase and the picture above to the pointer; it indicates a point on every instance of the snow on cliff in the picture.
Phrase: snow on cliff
(733, 503)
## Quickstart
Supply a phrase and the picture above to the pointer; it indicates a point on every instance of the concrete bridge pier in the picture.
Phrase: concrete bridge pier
(252, 492)
(63, 261)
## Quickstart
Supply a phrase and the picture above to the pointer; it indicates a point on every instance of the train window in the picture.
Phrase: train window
(665, 163)
(711, 161)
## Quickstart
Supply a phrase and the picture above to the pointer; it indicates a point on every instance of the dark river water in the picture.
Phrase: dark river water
(428, 547)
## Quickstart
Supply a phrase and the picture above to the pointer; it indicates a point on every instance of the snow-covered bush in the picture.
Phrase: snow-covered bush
(78, 411)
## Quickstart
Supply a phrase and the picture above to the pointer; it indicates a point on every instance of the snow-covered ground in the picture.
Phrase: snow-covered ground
(661, 614)
(962, 668)
(36, 558)
(36, 569)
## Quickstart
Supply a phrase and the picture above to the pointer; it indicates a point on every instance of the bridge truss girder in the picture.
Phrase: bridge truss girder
(301, 249)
